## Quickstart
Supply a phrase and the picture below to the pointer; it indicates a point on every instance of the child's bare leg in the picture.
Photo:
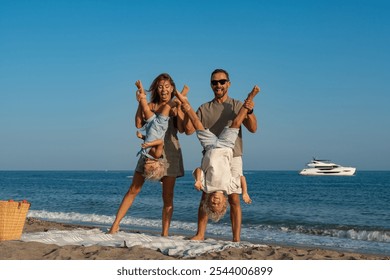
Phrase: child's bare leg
(174, 102)
(243, 111)
(190, 112)
(244, 187)
(141, 97)
(185, 90)
(255, 90)
(165, 109)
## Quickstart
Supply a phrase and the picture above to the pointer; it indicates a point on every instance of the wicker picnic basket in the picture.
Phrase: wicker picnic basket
(12, 218)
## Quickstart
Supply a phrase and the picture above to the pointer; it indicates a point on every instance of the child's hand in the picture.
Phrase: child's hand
(146, 145)
(246, 198)
(198, 185)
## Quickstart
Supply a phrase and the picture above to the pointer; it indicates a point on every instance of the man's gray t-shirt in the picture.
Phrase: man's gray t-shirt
(216, 116)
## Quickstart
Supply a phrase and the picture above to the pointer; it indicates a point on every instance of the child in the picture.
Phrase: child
(216, 204)
(214, 176)
(155, 127)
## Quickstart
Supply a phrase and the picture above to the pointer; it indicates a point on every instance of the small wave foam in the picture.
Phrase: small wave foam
(354, 234)
(380, 236)
(70, 217)
(105, 220)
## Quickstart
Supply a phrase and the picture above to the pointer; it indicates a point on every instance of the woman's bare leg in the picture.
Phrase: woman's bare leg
(127, 201)
(168, 184)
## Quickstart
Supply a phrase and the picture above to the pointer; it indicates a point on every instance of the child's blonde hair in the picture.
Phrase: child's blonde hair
(154, 169)
(215, 216)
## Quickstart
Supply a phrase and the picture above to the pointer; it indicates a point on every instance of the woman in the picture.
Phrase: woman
(162, 91)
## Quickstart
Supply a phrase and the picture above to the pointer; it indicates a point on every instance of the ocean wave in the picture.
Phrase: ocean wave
(106, 220)
(72, 217)
(349, 233)
(379, 236)
(258, 232)
(129, 222)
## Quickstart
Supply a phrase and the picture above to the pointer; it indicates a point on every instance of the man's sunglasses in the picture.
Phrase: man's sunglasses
(222, 82)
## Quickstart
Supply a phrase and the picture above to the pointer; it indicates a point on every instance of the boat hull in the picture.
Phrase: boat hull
(345, 171)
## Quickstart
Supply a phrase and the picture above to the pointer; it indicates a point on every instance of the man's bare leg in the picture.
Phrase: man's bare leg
(202, 220)
(235, 216)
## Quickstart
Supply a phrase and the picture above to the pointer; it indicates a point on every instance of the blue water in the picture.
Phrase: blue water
(345, 213)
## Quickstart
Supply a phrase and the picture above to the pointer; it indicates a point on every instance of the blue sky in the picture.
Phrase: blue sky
(67, 73)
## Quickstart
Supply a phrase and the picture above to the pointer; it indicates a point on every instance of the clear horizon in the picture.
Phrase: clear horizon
(67, 73)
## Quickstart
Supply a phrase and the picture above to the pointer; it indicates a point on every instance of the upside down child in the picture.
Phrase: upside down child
(156, 124)
(215, 177)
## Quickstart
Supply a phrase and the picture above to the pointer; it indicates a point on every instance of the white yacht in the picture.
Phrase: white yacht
(326, 167)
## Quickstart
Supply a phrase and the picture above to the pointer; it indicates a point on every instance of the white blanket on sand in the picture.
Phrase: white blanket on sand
(171, 246)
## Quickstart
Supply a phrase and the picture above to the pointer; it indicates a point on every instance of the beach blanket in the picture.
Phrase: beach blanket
(171, 246)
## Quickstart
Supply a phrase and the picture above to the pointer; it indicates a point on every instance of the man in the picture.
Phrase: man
(215, 115)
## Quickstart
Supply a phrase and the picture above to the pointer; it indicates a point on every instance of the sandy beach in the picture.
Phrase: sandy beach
(20, 250)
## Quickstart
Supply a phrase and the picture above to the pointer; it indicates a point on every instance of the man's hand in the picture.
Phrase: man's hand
(249, 104)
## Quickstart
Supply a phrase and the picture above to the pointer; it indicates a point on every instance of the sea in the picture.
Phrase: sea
(350, 213)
